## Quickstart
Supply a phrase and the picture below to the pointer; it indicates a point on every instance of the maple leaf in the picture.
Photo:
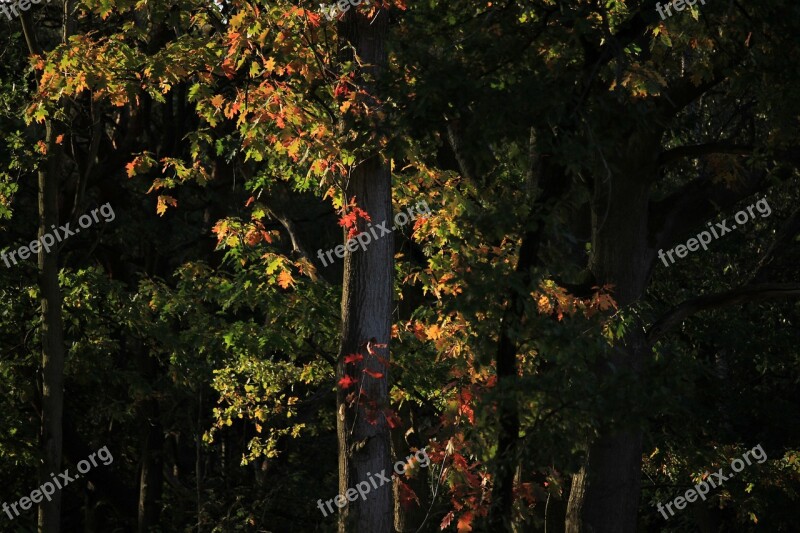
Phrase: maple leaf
(434, 332)
(346, 382)
(376, 375)
(60, 139)
(266, 236)
(285, 279)
(163, 201)
(350, 218)
(217, 101)
(447, 520)
(252, 237)
(353, 357)
(465, 522)
(406, 495)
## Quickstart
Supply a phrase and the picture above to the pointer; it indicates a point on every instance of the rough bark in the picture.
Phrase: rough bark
(362, 430)
(364, 442)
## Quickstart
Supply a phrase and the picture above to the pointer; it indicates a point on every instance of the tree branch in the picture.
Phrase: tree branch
(750, 293)
(697, 150)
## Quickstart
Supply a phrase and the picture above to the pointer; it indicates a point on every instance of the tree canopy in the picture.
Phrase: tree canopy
(557, 335)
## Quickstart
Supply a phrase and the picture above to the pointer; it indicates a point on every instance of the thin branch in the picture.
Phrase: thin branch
(697, 150)
(750, 293)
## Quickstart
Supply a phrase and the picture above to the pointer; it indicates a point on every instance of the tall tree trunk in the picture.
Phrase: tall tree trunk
(52, 329)
(364, 442)
(363, 434)
(151, 473)
(605, 493)
(51, 437)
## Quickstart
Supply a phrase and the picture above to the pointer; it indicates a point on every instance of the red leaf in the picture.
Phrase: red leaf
(448, 518)
(353, 358)
(376, 375)
(249, 201)
(346, 382)
(406, 495)
(392, 419)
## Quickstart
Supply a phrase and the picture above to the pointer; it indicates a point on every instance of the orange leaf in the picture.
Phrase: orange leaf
(60, 139)
(465, 522)
(285, 279)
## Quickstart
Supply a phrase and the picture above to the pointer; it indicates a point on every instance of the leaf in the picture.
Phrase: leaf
(465, 522)
(285, 279)
(448, 518)
(163, 201)
(376, 375)
(353, 357)
(347, 381)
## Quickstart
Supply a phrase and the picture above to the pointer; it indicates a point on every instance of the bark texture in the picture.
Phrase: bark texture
(364, 441)
(363, 433)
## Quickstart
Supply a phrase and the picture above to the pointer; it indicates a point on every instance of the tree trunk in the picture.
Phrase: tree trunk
(605, 493)
(364, 443)
(151, 474)
(52, 329)
(363, 434)
(51, 437)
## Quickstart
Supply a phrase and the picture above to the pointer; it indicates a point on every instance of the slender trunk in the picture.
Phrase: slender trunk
(51, 437)
(151, 474)
(409, 516)
(363, 434)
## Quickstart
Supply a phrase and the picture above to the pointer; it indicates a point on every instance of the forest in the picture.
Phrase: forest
(381, 266)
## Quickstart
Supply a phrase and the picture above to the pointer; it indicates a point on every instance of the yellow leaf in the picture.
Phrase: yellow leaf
(434, 332)
(163, 200)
